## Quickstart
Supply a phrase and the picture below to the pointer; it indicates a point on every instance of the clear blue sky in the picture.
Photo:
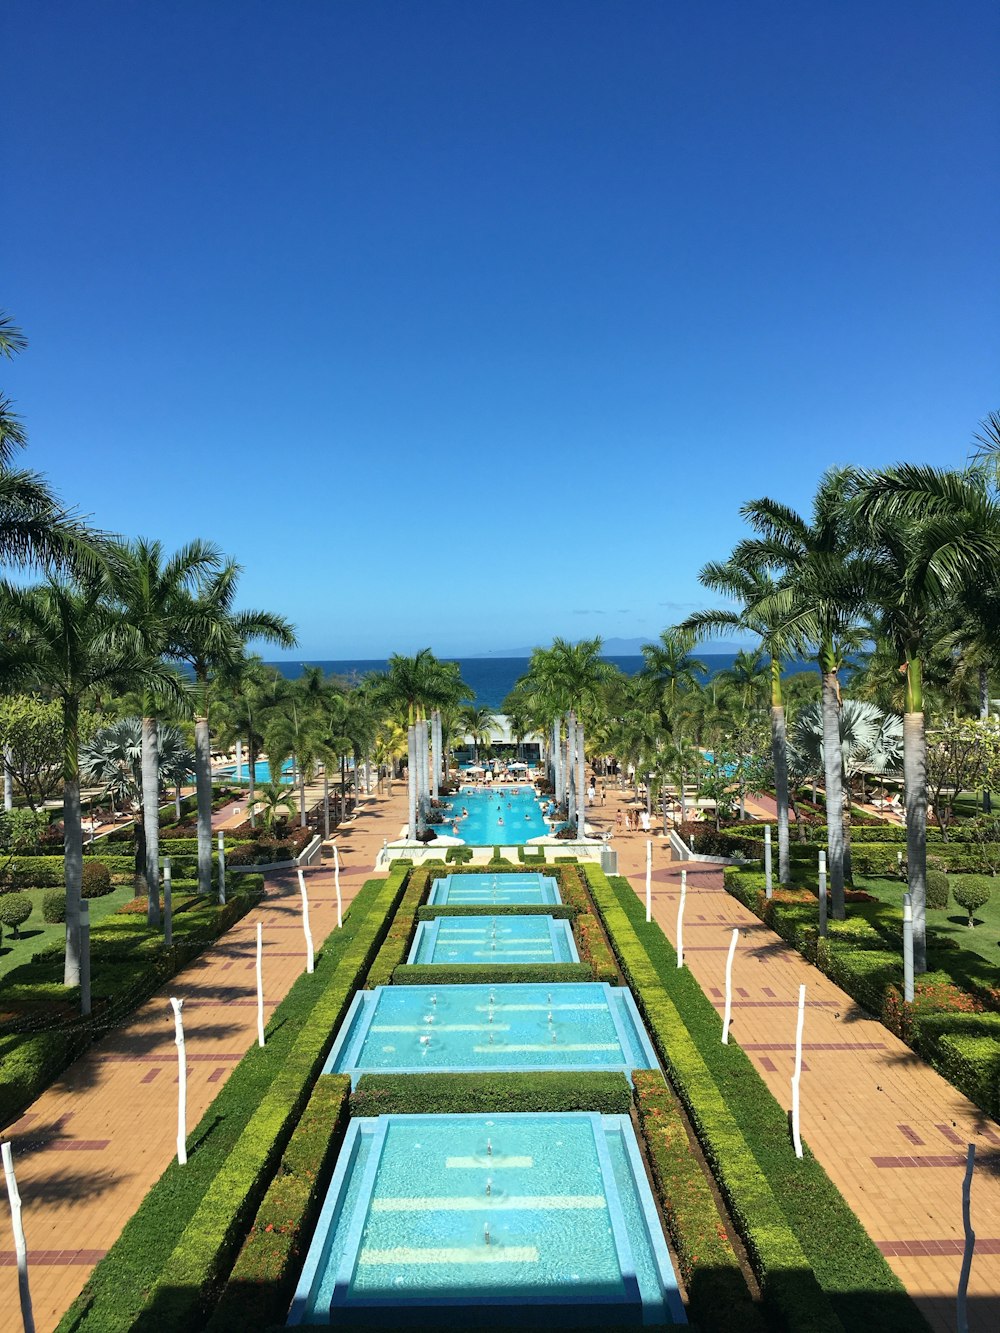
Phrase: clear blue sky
(471, 323)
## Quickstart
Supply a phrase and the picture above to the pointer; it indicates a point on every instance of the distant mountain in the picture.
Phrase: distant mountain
(625, 648)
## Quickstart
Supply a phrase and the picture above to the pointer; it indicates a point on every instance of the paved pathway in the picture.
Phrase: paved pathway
(889, 1130)
(91, 1146)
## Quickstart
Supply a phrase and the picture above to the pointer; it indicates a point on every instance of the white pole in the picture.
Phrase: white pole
(970, 1241)
(305, 923)
(649, 881)
(768, 885)
(796, 1122)
(84, 957)
(336, 885)
(822, 891)
(680, 918)
(168, 904)
(260, 987)
(907, 948)
(20, 1247)
(177, 1006)
(222, 868)
(727, 1016)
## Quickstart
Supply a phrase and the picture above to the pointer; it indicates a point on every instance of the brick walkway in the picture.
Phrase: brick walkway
(889, 1130)
(91, 1146)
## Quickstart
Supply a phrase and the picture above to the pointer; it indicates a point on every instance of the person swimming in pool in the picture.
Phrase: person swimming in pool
(499, 819)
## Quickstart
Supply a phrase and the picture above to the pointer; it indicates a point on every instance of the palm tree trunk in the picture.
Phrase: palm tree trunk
(343, 789)
(779, 756)
(848, 807)
(915, 798)
(203, 788)
(8, 780)
(72, 838)
(984, 692)
(302, 793)
(834, 766)
(251, 775)
(326, 803)
(178, 811)
(151, 816)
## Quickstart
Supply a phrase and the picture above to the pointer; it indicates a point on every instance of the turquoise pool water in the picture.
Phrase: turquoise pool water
(508, 816)
(446, 1221)
(417, 1029)
(499, 890)
(261, 772)
(500, 939)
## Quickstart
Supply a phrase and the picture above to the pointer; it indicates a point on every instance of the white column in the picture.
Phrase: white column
(177, 1006)
(260, 986)
(649, 881)
(768, 886)
(336, 884)
(222, 869)
(168, 905)
(796, 1112)
(305, 923)
(581, 783)
(727, 1016)
(680, 918)
(411, 781)
(20, 1245)
(435, 753)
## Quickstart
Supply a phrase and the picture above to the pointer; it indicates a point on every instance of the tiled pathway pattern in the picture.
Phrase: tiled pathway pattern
(889, 1130)
(93, 1144)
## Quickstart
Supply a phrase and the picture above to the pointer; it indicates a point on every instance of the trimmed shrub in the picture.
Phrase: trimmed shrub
(561, 911)
(972, 892)
(399, 937)
(718, 1295)
(466, 1094)
(458, 855)
(937, 889)
(54, 907)
(15, 908)
(497, 974)
(96, 880)
(263, 1278)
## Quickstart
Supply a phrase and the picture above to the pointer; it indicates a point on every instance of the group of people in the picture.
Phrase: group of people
(633, 821)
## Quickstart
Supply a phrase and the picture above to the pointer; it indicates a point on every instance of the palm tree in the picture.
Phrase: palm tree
(932, 535)
(270, 799)
(478, 723)
(65, 638)
(819, 591)
(113, 759)
(669, 669)
(213, 637)
(244, 689)
(154, 593)
(750, 586)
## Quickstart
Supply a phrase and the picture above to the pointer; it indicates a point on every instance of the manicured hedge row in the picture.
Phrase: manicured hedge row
(561, 911)
(48, 872)
(161, 1271)
(945, 1023)
(718, 1296)
(497, 974)
(128, 963)
(591, 943)
(399, 937)
(263, 1279)
(786, 1210)
(458, 1094)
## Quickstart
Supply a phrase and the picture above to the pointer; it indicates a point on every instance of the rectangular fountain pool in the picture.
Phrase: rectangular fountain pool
(494, 890)
(519, 1027)
(434, 1221)
(499, 939)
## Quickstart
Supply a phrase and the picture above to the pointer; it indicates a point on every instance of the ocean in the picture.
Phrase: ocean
(493, 678)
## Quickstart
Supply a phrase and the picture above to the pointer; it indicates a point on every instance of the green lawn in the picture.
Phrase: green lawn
(36, 933)
(950, 925)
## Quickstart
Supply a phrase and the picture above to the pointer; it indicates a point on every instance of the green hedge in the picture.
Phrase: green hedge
(457, 1094)
(48, 872)
(817, 1267)
(497, 974)
(399, 937)
(561, 911)
(128, 963)
(261, 1284)
(591, 942)
(718, 1296)
(161, 1271)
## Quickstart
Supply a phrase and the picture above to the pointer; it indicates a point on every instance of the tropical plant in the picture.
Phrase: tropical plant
(478, 724)
(271, 800)
(969, 891)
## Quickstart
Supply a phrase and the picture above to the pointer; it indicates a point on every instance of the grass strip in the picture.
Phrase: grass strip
(718, 1296)
(745, 1138)
(465, 1094)
(157, 1273)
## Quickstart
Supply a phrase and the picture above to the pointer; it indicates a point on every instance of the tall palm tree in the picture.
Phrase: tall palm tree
(154, 593)
(932, 534)
(478, 723)
(669, 668)
(213, 637)
(244, 690)
(750, 586)
(65, 638)
(820, 589)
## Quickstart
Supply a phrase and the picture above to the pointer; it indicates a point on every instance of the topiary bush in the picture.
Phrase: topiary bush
(54, 907)
(937, 889)
(15, 908)
(972, 892)
(96, 880)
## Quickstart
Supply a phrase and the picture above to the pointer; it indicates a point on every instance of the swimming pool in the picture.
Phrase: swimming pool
(437, 1221)
(500, 939)
(476, 890)
(494, 816)
(562, 1025)
(261, 771)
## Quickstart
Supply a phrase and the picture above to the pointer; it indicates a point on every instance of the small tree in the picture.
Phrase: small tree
(19, 831)
(972, 892)
(15, 908)
(937, 889)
